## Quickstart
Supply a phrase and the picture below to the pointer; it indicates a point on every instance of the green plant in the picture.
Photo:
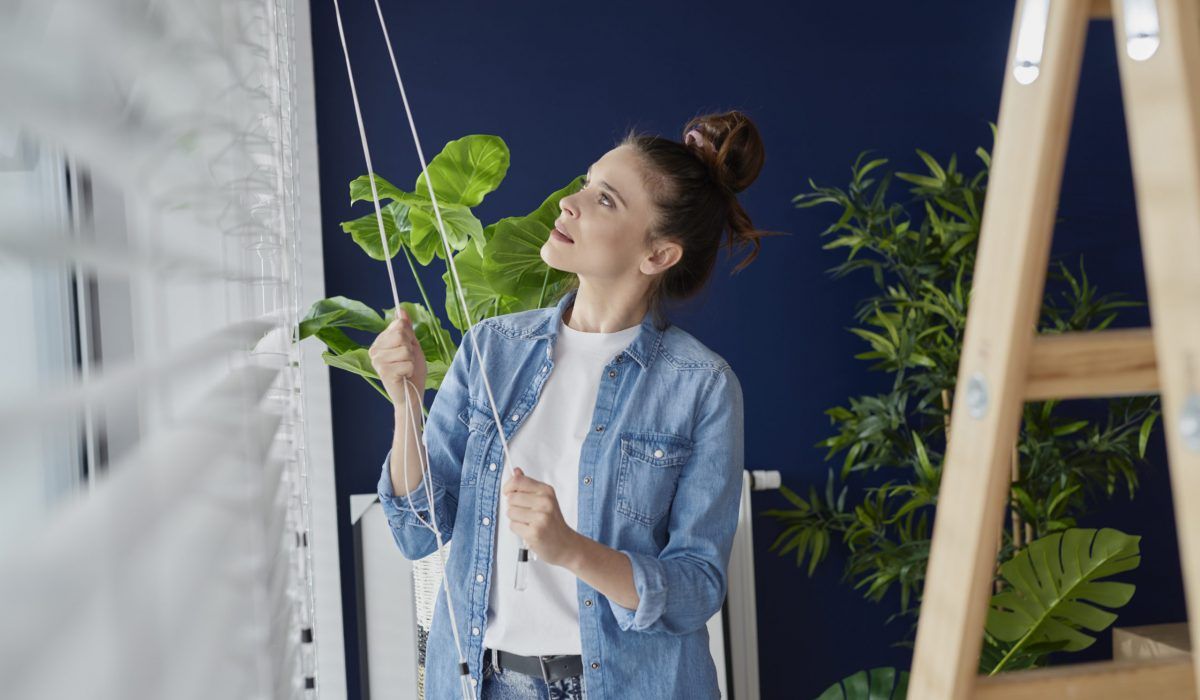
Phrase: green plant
(499, 265)
(1054, 589)
(879, 504)
(881, 683)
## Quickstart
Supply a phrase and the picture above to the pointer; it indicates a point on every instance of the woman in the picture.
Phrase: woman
(626, 434)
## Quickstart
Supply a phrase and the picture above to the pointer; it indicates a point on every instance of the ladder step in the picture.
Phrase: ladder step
(1161, 679)
(1101, 9)
(1092, 364)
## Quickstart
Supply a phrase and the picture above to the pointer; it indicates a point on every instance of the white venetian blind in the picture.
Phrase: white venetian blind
(154, 510)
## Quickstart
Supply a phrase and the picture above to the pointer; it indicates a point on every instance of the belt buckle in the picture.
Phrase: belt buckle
(545, 671)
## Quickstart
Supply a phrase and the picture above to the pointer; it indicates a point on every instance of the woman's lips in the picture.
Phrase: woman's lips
(558, 236)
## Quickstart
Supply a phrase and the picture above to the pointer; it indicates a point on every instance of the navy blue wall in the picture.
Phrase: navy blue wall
(823, 81)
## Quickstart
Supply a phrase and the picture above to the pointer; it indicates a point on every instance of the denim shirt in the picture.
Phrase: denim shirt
(660, 481)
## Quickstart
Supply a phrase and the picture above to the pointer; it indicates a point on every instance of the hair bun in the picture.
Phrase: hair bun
(730, 144)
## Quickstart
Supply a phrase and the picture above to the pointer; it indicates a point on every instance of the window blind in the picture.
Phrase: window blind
(179, 564)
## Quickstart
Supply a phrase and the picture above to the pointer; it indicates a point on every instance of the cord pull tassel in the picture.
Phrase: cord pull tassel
(519, 581)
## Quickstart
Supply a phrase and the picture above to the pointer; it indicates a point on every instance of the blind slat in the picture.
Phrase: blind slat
(176, 572)
(117, 383)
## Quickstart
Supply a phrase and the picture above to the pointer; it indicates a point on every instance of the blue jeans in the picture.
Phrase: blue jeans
(506, 684)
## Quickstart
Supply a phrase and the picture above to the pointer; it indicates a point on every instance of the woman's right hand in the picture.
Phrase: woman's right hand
(396, 355)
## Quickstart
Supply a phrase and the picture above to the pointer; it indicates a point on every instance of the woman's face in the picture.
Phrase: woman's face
(607, 223)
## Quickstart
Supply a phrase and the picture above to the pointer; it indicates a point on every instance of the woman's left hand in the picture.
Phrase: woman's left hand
(535, 516)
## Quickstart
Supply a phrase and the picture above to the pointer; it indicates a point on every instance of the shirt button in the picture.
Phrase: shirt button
(473, 681)
(487, 520)
(543, 369)
(599, 428)
(475, 631)
(612, 373)
(587, 480)
(595, 664)
(588, 603)
(515, 416)
(492, 467)
(479, 578)
(620, 358)
(658, 453)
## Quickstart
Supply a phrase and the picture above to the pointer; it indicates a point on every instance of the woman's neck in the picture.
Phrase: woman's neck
(605, 311)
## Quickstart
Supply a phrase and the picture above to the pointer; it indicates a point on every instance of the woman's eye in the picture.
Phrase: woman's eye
(603, 197)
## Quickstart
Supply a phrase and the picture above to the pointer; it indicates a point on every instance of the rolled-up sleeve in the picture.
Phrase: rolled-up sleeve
(685, 585)
(445, 439)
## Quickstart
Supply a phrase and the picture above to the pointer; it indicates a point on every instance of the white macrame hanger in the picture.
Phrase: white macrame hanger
(522, 552)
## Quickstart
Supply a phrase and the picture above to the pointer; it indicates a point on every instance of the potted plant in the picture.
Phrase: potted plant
(499, 265)
(878, 505)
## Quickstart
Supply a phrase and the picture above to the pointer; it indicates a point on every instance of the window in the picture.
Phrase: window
(158, 434)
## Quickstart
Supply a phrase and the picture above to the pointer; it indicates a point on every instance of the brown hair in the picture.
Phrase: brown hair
(694, 187)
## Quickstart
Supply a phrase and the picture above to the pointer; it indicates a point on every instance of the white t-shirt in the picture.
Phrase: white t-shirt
(544, 618)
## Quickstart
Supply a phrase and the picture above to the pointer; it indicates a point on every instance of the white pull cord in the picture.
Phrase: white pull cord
(522, 550)
(464, 669)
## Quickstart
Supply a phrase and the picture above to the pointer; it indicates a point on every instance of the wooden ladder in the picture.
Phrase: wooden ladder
(1004, 363)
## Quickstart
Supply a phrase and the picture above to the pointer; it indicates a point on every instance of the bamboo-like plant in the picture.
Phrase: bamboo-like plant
(879, 504)
(499, 265)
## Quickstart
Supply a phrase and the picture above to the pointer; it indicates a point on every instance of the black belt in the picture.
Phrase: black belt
(548, 668)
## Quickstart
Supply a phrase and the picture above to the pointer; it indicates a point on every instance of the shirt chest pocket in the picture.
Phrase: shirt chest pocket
(480, 426)
(648, 474)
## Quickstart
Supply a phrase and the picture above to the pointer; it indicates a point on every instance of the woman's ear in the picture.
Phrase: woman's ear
(663, 254)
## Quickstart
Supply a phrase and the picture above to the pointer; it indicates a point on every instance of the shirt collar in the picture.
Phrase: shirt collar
(643, 349)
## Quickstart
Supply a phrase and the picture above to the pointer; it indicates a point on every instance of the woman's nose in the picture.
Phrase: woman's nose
(567, 204)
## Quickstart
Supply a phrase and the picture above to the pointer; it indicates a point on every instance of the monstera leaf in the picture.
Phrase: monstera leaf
(1055, 589)
(876, 684)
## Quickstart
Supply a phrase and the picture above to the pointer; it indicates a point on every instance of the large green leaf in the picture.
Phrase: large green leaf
(995, 652)
(461, 227)
(396, 223)
(358, 362)
(412, 222)
(514, 248)
(549, 210)
(360, 190)
(882, 683)
(481, 298)
(1055, 587)
(512, 260)
(466, 170)
(340, 312)
(336, 340)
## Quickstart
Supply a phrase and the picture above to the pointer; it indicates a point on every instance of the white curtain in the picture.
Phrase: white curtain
(154, 541)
